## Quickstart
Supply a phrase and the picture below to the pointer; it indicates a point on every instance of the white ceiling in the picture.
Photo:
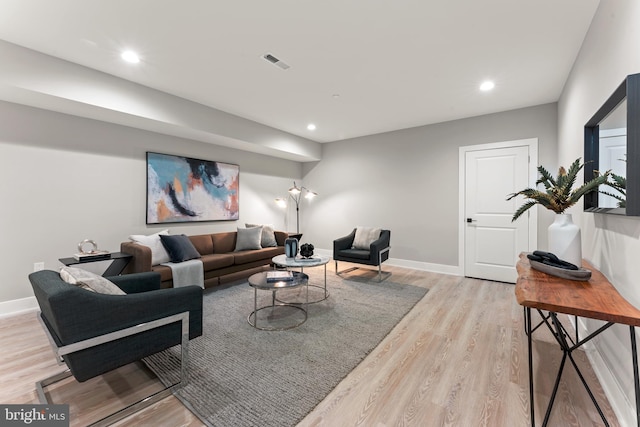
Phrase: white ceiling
(394, 64)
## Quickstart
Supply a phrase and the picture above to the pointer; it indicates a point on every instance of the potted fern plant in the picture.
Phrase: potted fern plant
(558, 196)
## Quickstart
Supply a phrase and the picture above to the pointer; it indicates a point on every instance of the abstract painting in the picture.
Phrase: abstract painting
(182, 189)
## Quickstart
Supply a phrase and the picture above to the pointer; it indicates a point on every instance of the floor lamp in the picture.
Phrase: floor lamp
(296, 193)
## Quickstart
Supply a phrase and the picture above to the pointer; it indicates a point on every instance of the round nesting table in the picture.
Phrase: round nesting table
(259, 281)
(302, 263)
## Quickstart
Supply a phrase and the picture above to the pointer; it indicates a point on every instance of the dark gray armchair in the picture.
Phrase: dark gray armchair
(94, 333)
(377, 253)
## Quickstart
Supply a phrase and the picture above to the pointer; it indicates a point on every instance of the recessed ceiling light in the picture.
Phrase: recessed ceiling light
(311, 126)
(487, 86)
(130, 56)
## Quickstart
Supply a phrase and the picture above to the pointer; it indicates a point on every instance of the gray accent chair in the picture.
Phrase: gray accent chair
(94, 333)
(378, 252)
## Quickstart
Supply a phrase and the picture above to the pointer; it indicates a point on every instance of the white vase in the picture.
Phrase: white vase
(564, 239)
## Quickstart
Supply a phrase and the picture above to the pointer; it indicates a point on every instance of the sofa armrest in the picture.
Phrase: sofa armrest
(141, 261)
(345, 242)
(281, 236)
(82, 314)
(379, 245)
(137, 282)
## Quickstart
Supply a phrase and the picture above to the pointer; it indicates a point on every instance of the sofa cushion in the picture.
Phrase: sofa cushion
(248, 238)
(268, 238)
(89, 281)
(179, 247)
(202, 243)
(224, 243)
(158, 252)
(365, 236)
(246, 257)
(355, 253)
(216, 261)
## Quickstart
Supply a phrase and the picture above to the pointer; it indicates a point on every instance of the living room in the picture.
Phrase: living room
(69, 176)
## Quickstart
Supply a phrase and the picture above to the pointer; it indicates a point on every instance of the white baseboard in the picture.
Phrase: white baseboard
(619, 403)
(414, 265)
(425, 266)
(18, 306)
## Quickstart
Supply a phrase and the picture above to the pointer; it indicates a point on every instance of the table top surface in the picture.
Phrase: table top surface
(595, 299)
(112, 256)
(299, 261)
(259, 280)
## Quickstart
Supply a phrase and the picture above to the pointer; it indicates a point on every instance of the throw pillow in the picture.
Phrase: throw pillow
(248, 238)
(268, 238)
(179, 247)
(365, 236)
(89, 281)
(158, 253)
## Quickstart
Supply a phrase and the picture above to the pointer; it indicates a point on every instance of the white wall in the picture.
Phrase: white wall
(610, 51)
(407, 181)
(65, 179)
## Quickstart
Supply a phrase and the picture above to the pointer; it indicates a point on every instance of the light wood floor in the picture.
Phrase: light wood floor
(458, 358)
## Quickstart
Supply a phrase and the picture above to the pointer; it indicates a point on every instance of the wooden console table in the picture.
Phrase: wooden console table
(595, 299)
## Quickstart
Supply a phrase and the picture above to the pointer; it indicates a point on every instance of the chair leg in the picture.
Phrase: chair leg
(380, 264)
(350, 269)
(145, 402)
(40, 385)
(346, 270)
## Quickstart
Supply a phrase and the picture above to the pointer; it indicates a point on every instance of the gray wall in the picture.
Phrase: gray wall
(65, 179)
(407, 181)
(610, 52)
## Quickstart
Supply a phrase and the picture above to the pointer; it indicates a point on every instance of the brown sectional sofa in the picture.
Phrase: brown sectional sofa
(221, 263)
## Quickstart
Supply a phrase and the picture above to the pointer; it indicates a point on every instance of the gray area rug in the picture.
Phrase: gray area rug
(240, 376)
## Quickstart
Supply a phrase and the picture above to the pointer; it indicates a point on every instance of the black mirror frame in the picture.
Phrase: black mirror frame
(629, 89)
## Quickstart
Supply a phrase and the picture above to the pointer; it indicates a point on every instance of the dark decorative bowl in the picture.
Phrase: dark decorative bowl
(306, 250)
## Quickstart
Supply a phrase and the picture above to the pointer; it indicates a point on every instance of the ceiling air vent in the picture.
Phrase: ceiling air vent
(275, 61)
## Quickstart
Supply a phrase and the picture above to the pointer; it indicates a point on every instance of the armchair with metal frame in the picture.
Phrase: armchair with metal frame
(378, 252)
(95, 333)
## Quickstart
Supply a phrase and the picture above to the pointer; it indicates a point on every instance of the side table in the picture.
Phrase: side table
(297, 262)
(259, 281)
(118, 260)
(594, 299)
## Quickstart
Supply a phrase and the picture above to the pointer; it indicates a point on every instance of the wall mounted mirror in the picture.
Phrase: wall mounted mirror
(612, 142)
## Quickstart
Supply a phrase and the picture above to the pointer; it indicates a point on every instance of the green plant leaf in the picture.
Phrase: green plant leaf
(558, 195)
(522, 209)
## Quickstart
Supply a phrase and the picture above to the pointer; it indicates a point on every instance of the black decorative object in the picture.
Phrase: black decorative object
(306, 250)
(291, 248)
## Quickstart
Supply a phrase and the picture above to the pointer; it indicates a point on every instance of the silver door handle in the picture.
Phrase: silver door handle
(469, 220)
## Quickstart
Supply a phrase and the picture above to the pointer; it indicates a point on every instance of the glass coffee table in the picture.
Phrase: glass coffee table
(302, 263)
(259, 281)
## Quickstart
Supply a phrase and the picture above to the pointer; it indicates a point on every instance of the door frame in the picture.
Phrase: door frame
(532, 143)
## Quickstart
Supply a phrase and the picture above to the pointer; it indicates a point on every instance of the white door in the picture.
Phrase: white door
(492, 242)
(613, 157)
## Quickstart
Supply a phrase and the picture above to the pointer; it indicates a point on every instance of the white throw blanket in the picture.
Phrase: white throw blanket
(187, 273)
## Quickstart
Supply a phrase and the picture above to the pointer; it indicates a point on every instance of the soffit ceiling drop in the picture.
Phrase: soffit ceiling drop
(356, 67)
